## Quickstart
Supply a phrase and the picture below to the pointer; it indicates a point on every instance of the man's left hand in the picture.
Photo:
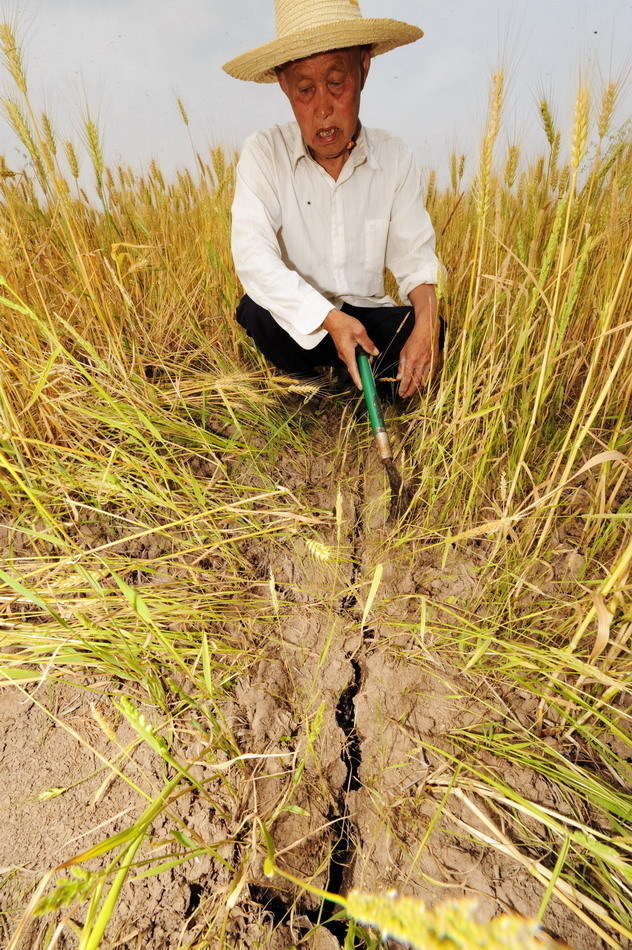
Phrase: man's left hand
(419, 357)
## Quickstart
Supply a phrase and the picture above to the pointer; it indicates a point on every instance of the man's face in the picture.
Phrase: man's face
(324, 92)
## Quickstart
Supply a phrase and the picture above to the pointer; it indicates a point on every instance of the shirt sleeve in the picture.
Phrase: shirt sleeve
(256, 222)
(410, 246)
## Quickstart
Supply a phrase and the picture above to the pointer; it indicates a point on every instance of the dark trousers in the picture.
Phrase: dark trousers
(388, 327)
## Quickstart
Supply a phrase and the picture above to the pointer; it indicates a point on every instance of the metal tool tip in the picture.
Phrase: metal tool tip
(400, 497)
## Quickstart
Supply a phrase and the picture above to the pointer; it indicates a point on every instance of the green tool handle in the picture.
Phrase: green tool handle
(373, 405)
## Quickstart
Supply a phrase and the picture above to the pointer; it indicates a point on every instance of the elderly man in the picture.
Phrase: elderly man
(322, 205)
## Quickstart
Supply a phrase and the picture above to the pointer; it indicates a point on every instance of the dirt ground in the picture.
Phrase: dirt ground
(361, 710)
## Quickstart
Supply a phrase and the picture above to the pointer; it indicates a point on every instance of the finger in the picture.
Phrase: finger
(367, 344)
(405, 369)
(411, 382)
(352, 366)
(404, 385)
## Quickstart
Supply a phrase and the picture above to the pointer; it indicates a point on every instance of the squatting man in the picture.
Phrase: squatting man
(322, 205)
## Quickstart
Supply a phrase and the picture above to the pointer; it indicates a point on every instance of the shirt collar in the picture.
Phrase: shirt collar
(363, 152)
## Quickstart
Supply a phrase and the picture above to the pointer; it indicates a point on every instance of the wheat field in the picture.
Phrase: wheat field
(241, 708)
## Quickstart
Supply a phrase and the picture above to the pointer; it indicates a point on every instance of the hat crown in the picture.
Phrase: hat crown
(308, 27)
(294, 16)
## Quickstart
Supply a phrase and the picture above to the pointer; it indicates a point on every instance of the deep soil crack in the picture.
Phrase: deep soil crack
(346, 719)
(344, 849)
(345, 846)
(350, 600)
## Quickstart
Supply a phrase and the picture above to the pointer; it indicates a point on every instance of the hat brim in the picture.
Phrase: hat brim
(259, 64)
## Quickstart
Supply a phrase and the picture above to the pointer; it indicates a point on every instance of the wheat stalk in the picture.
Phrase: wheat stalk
(608, 102)
(547, 122)
(71, 158)
(580, 127)
(13, 57)
(511, 165)
(93, 141)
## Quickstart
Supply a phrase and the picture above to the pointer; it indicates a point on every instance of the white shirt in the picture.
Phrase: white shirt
(304, 243)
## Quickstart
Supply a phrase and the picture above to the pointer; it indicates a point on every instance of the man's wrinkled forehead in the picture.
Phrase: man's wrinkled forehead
(341, 59)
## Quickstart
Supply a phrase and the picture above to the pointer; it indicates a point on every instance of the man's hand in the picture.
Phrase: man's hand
(419, 357)
(347, 333)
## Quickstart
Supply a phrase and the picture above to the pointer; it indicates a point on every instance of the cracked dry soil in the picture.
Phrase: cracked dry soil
(372, 785)
(365, 712)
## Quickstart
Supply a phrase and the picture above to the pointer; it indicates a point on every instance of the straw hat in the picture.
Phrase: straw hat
(306, 27)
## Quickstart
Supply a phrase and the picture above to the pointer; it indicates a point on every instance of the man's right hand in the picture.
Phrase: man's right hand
(347, 333)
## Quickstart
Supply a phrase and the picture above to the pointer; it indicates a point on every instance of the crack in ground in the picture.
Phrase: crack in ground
(350, 600)
(346, 719)
(344, 849)
(345, 846)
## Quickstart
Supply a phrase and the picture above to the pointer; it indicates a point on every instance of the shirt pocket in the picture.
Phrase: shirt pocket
(375, 235)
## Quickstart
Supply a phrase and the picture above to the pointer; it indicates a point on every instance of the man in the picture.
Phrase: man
(323, 205)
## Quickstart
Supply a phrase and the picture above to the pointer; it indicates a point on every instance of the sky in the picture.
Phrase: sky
(128, 60)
